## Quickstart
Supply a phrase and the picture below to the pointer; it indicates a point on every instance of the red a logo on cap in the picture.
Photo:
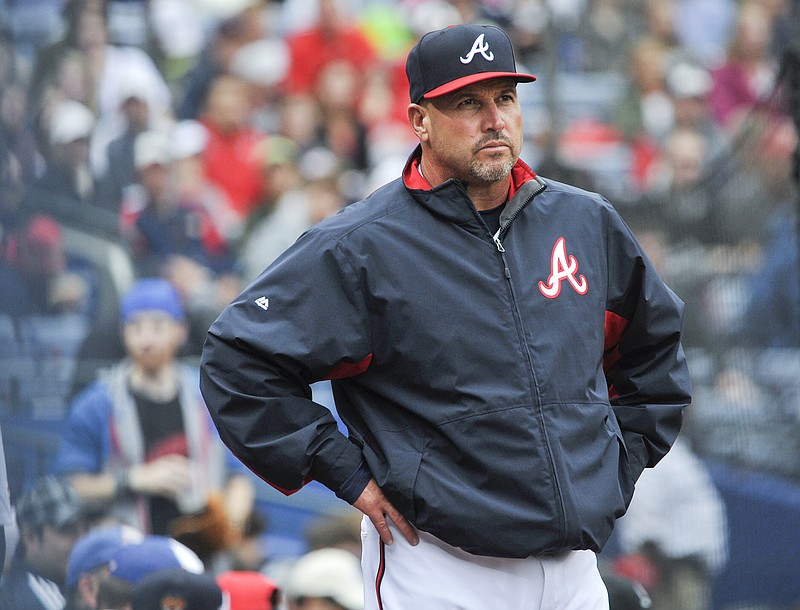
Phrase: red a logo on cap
(479, 46)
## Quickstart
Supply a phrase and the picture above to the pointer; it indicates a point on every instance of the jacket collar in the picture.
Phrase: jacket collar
(450, 198)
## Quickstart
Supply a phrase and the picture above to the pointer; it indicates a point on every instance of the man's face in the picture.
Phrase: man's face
(473, 134)
(152, 339)
(48, 551)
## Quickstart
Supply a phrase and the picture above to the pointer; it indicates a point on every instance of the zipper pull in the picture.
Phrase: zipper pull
(496, 238)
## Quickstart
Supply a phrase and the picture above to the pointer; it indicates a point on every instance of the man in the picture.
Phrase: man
(89, 563)
(132, 565)
(140, 439)
(50, 520)
(504, 356)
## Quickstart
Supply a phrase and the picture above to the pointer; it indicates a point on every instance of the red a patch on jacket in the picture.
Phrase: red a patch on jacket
(562, 267)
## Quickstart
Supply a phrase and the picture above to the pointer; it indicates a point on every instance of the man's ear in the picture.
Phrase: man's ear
(88, 588)
(419, 120)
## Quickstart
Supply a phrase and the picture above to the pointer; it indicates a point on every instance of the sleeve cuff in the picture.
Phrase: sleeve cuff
(351, 489)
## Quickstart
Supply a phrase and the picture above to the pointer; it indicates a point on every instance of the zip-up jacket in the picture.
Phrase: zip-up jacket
(505, 391)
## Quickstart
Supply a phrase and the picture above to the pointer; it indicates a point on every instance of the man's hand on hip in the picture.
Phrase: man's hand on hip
(377, 507)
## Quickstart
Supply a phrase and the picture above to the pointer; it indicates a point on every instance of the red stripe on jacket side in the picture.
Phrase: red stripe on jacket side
(349, 369)
(615, 325)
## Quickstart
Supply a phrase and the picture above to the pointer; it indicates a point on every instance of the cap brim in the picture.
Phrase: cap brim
(476, 78)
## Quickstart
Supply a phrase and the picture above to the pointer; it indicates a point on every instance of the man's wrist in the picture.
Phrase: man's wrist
(351, 489)
(122, 483)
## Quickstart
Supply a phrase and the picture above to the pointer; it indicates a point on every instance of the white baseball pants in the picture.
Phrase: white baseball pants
(436, 576)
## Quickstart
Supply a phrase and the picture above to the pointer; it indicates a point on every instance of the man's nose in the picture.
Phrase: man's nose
(493, 119)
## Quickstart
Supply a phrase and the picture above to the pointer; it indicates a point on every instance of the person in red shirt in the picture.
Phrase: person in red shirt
(229, 158)
(332, 39)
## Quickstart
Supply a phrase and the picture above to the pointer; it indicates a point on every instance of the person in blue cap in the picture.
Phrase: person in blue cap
(139, 439)
(89, 563)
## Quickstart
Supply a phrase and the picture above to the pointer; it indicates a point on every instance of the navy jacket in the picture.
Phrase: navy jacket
(505, 391)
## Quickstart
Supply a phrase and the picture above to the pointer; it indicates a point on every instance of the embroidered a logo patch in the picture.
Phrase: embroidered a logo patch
(563, 267)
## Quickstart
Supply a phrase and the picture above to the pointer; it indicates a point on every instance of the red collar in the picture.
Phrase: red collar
(413, 178)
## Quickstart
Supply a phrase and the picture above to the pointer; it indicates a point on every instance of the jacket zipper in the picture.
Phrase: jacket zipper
(543, 429)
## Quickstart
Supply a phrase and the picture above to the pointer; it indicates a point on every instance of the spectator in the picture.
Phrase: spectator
(677, 522)
(40, 276)
(177, 588)
(281, 215)
(16, 132)
(120, 173)
(80, 17)
(50, 520)
(140, 439)
(89, 563)
(263, 66)
(134, 564)
(325, 579)
(749, 70)
(332, 39)
(704, 28)
(605, 27)
(688, 84)
(194, 191)
(239, 25)
(68, 173)
(644, 114)
(163, 219)
(229, 159)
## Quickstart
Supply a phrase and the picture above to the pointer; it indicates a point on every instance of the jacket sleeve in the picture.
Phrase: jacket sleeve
(646, 370)
(300, 321)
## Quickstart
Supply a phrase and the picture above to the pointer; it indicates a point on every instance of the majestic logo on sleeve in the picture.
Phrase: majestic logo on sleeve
(262, 302)
(479, 46)
(563, 267)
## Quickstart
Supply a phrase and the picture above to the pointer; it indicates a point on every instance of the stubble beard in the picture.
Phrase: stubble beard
(498, 166)
(483, 171)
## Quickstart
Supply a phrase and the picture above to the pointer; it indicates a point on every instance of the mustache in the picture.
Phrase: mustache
(494, 136)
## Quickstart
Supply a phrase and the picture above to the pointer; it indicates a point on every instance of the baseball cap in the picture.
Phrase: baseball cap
(151, 148)
(188, 138)
(333, 573)
(50, 501)
(177, 589)
(70, 121)
(688, 80)
(450, 58)
(133, 563)
(97, 548)
(248, 590)
(151, 294)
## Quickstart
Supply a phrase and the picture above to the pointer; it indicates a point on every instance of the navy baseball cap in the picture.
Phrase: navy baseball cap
(453, 57)
(178, 589)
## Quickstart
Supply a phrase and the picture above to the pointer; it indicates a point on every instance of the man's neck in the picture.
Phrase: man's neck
(160, 385)
(485, 195)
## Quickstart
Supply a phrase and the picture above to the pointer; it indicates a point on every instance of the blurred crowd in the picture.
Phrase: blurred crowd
(194, 140)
